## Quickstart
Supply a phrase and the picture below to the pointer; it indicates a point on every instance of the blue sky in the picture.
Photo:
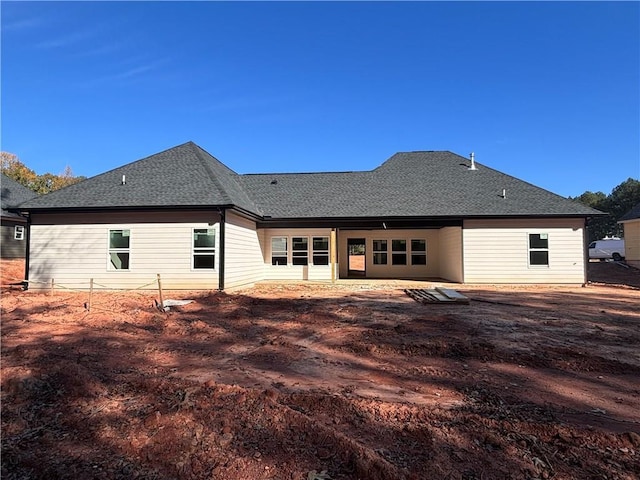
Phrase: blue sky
(548, 92)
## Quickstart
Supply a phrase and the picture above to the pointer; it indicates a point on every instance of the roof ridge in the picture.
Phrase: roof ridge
(303, 173)
(425, 151)
(14, 193)
(198, 151)
(232, 198)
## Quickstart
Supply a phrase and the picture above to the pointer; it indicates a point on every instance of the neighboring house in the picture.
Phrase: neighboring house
(13, 227)
(631, 224)
(183, 214)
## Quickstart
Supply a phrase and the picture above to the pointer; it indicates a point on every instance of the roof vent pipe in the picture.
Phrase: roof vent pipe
(504, 193)
(124, 180)
(473, 161)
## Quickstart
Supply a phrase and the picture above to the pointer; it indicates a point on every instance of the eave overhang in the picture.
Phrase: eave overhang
(353, 222)
(395, 221)
(132, 209)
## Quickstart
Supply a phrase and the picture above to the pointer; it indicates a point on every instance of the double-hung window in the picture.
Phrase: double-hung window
(204, 248)
(320, 250)
(119, 249)
(379, 252)
(300, 250)
(18, 232)
(398, 252)
(539, 249)
(279, 251)
(418, 252)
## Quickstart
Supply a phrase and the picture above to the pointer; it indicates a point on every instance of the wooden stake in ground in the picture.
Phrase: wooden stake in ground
(51, 292)
(90, 294)
(160, 292)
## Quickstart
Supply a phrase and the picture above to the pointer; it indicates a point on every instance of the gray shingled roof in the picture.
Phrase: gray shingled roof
(183, 176)
(12, 194)
(411, 184)
(421, 184)
(632, 214)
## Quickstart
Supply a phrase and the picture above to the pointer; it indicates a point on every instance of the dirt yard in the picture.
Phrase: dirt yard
(347, 381)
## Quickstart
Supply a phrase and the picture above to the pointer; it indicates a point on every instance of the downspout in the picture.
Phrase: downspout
(332, 254)
(585, 252)
(462, 257)
(27, 255)
(222, 250)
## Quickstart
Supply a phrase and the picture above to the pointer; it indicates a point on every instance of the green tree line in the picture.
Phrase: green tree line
(621, 200)
(13, 168)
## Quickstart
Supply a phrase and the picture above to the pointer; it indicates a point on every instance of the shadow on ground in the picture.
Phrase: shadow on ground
(362, 384)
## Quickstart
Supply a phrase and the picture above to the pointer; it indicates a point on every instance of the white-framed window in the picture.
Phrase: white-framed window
(380, 252)
(418, 251)
(398, 252)
(279, 250)
(539, 249)
(320, 250)
(300, 250)
(204, 248)
(18, 232)
(119, 249)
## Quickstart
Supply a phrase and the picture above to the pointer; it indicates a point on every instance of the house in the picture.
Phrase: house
(631, 224)
(13, 227)
(184, 215)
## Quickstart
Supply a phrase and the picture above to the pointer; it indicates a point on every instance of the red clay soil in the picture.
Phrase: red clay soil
(317, 381)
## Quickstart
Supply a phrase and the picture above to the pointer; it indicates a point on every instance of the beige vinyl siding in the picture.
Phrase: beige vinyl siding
(289, 271)
(497, 251)
(244, 264)
(430, 270)
(76, 251)
(451, 254)
(632, 242)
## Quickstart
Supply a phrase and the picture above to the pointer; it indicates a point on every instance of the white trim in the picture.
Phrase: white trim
(380, 252)
(289, 251)
(418, 252)
(110, 266)
(530, 250)
(18, 232)
(280, 252)
(204, 251)
(404, 252)
(300, 240)
(320, 252)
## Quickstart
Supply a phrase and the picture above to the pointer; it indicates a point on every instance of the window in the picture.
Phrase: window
(398, 252)
(418, 252)
(379, 252)
(279, 251)
(18, 232)
(119, 243)
(300, 250)
(320, 250)
(204, 248)
(539, 249)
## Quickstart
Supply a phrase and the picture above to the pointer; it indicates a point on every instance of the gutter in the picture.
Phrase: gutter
(146, 208)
